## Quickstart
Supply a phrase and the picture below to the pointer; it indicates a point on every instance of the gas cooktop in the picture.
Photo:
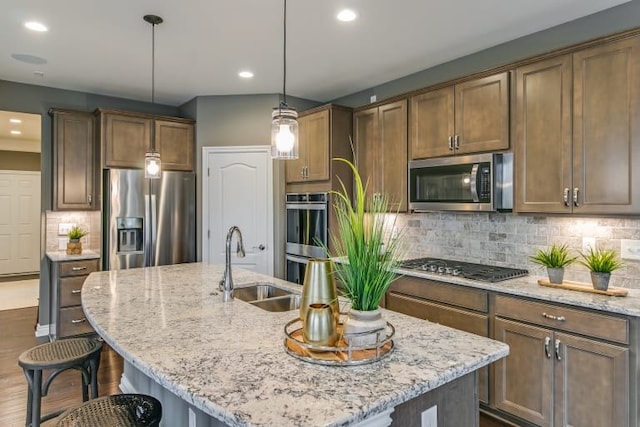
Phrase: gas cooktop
(468, 270)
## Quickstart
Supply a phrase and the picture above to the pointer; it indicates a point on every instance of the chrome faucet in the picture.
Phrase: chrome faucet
(226, 284)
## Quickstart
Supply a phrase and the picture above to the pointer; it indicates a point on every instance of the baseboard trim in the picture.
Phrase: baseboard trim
(42, 331)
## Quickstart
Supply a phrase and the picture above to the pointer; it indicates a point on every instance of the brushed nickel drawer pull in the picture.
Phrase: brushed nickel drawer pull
(76, 321)
(547, 353)
(78, 268)
(76, 291)
(565, 197)
(552, 317)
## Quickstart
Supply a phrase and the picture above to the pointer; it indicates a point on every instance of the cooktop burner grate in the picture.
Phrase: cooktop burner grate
(468, 270)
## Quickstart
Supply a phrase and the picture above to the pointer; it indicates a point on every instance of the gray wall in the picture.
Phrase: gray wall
(616, 19)
(26, 98)
(19, 161)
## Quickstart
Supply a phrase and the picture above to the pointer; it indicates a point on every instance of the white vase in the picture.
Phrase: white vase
(369, 326)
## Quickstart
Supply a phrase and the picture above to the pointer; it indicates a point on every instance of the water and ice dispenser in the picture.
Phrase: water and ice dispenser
(130, 234)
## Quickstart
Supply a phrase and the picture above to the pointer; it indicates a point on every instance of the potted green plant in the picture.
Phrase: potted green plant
(370, 258)
(74, 247)
(601, 262)
(555, 259)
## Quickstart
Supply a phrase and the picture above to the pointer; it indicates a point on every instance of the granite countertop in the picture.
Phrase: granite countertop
(58, 256)
(228, 360)
(528, 287)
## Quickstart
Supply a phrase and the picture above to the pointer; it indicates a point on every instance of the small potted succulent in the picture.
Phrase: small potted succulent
(601, 262)
(556, 258)
(74, 247)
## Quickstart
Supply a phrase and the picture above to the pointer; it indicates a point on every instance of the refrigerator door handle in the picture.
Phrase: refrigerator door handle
(154, 231)
(147, 232)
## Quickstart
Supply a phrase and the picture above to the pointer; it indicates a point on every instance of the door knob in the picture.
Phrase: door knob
(260, 247)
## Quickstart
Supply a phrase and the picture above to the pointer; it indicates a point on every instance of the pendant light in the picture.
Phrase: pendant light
(284, 123)
(152, 163)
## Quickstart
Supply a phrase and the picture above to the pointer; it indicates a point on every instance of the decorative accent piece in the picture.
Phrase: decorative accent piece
(152, 163)
(556, 258)
(600, 281)
(585, 287)
(601, 262)
(284, 124)
(320, 325)
(74, 246)
(556, 274)
(319, 287)
(364, 328)
(343, 353)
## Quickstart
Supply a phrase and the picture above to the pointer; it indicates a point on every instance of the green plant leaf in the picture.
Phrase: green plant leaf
(557, 256)
(600, 260)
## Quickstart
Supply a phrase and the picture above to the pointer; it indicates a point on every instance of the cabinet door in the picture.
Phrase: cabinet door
(75, 161)
(295, 168)
(317, 146)
(522, 384)
(591, 383)
(542, 145)
(125, 140)
(365, 124)
(392, 159)
(174, 142)
(606, 138)
(482, 114)
(431, 124)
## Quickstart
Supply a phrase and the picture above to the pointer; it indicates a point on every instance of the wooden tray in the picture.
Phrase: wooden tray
(340, 354)
(584, 287)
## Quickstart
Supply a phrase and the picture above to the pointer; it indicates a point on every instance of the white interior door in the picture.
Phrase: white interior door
(19, 222)
(238, 190)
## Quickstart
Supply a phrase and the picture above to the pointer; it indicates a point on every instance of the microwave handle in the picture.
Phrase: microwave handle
(473, 183)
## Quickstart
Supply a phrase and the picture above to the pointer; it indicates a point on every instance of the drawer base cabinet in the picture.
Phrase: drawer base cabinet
(553, 378)
(67, 317)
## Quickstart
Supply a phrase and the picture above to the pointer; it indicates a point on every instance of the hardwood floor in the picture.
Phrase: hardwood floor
(17, 335)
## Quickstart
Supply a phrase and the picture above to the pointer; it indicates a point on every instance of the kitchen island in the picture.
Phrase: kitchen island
(213, 363)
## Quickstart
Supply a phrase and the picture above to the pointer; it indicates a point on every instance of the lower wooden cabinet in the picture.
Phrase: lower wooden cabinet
(554, 378)
(67, 317)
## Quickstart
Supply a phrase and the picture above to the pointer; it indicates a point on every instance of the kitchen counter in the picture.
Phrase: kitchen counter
(227, 361)
(59, 256)
(528, 287)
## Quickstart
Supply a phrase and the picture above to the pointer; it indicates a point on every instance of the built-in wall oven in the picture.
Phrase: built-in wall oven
(307, 231)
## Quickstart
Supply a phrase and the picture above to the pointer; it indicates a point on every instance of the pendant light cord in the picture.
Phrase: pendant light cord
(153, 62)
(284, 56)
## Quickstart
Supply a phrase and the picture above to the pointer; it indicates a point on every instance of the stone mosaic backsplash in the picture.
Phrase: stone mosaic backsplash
(508, 240)
(88, 220)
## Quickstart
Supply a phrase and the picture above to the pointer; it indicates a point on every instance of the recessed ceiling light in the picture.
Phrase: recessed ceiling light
(16, 121)
(245, 74)
(347, 15)
(16, 132)
(36, 26)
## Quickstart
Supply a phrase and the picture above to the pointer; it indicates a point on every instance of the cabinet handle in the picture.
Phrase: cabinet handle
(456, 142)
(76, 291)
(565, 196)
(575, 197)
(547, 353)
(450, 142)
(302, 171)
(306, 171)
(552, 317)
(76, 321)
(557, 346)
(78, 268)
(89, 198)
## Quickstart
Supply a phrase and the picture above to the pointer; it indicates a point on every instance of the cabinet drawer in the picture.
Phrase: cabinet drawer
(460, 296)
(564, 318)
(78, 268)
(70, 290)
(73, 322)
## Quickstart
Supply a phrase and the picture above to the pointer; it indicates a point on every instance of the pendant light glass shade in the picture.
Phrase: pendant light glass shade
(284, 123)
(152, 165)
(284, 133)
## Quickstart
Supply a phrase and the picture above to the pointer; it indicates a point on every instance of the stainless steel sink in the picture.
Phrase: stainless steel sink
(259, 291)
(285, 303)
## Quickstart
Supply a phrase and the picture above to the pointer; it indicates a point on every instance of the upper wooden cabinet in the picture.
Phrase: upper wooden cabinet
(465, 118)
(125, 137)
(577, 132)
(75, 162)
(381, 146)
(323, 133)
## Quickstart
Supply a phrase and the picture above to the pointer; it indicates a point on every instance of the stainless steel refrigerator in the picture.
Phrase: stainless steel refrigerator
(148, 222)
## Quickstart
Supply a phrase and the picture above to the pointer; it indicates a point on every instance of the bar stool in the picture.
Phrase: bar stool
(118, 410)
(82, 354)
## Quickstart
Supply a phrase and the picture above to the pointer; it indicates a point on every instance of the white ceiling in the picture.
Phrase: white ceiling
(104, 47)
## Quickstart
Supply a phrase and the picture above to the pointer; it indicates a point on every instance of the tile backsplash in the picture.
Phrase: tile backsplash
(88, 220)
(508, 239)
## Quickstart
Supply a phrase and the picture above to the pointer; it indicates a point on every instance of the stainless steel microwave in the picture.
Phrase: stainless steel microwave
(480, 182)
